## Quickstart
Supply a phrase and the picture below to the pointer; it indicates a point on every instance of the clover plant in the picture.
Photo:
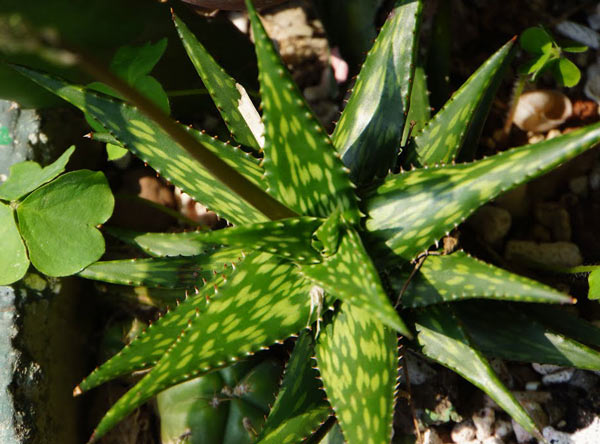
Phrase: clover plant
(325, 222)
(50, 220)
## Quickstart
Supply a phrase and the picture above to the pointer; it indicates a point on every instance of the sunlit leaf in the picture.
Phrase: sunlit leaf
(413, 209)
(369, 132)
(459, 276)
(358, 360)
(301, 166)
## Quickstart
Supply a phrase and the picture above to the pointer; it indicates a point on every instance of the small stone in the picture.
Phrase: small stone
(431, 437)
(594, 178)
(502, 428)
(500, 368)
(555, 254)
(532, 385)
(521, 434)
(484, 422)
(541, 234)
(492, 440)
(555, 437)
(559, 377)
(553, 133)
(491, 223)
(516, 202)
(463, 432)
(546, 369)
(579, 185)
(552, 215)
(419, 371)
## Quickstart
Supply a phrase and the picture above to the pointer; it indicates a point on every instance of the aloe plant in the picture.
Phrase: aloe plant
(318, 252)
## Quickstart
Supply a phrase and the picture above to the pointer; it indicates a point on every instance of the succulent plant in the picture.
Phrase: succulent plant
(335, 223)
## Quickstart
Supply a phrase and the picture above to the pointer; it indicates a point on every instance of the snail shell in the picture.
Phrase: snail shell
(232, 5)
(541, 110)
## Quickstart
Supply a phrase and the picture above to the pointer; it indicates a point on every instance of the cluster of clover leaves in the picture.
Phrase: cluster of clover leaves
(319, 220)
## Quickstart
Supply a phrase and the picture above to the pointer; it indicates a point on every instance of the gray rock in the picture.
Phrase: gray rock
(491, 223)
(554, 254)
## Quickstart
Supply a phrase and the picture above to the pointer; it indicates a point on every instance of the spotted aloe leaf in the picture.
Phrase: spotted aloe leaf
(168, 272)
(231, 98)
(370, 130)
(444, 340)
(26, 176)
(327, 237)
(147, 140)
(247, 165)
(301, 166)
(358, 359)
(411, 210)
(350, 275)
(301, 406)
(265, 301)
(459, 276)
(290, 238)
(419, 112)
(461, 119)
(518, 337)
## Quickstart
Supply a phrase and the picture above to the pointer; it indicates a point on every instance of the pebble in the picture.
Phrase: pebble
(484, 422)
(584, 380)
(431, 437)
(553, 254)
(491, 223)
(545, 369)
(594, 178)
(492, 440)
(579, 185)
(418, 370)
(559, 377)
(554, 216)
(463, 432)
(587, 435)
(503, 428)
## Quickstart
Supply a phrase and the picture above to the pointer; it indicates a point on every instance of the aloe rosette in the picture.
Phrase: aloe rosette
(318, 210)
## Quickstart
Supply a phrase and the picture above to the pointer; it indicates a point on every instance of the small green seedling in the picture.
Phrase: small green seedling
(50, 220)
(134, 64)
(548, 55)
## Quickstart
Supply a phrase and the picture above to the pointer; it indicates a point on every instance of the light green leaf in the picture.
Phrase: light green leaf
(536, 40)
(300, 407)
(358, 360)
(463, 116)
(301, 167)
(115, 152)
(518, 337)
(145, 139)
(151, 88)
(13, 256)
(594, 283)
(58, 222)
(26, 176)
(566, 72)
(370, 130)
(231, 98)
(168, 272)
(458, 276)
(289, 238)
(350, 275)
(412, 210)
(263, 302)
(444, 340)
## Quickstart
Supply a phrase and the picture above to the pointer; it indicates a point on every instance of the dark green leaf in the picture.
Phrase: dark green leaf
(518, 337)
(463, 116)
(26, 176)
(444, 340)
(370, 130)
(350, 275)
(134, 62)
(535, 40)
(562, 320)
(458, 276)
(413, 209)
(169, 272)
(265, 301)
(13, 256)
(301, 167)
(301, 406)
(145, 139)
(358, 360)
(58, 222)
(231, 98)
